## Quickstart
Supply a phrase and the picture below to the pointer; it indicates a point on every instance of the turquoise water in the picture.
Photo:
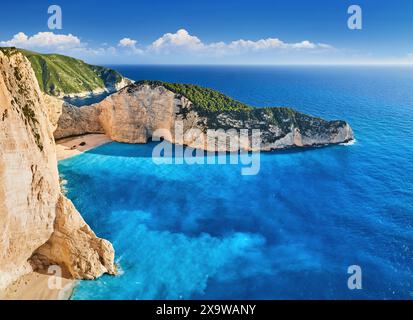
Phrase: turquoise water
(207, 232)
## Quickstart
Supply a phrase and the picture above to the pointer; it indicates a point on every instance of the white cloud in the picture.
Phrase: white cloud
(183, 41)
(180, 42)
(130, 45)
(180, 46)
(180, 39)
(43, 40)
(67, 44)
(127, 42)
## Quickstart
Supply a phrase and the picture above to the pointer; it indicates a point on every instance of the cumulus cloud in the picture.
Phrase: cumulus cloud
(127, 42)
(43, 40)
(130, 45)
(183, 41)
(57, 43)
(180, 46)
(180, 39)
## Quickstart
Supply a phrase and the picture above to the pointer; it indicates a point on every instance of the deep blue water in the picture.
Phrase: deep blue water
(207, 232)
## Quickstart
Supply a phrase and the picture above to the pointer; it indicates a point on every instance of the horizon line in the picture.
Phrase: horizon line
(262, 65)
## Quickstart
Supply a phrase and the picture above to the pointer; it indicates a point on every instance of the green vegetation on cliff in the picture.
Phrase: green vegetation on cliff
(204, 98)
(60, 75)
(224, 112)
(212, 102)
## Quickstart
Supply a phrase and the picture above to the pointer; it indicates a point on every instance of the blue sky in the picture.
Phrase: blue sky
(214, 32)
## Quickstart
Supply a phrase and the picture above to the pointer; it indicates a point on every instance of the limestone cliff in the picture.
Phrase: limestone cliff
(38, 225)
(76, 121)
(134, 113)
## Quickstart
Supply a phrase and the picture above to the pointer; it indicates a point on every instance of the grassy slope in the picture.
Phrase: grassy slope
(59, 75)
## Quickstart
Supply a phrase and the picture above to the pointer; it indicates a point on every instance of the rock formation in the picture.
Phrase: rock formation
(133, 115)
(76, 121)
(74, 246)
(38, 225)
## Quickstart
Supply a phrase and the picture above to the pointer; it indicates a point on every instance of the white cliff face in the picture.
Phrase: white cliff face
(75, 121)
(74, 246)
(34, 215)
(133, 115)
(54, 108)
(136, 112)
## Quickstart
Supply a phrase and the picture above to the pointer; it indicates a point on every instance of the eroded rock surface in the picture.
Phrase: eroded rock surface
(75, 121)
(34, 215)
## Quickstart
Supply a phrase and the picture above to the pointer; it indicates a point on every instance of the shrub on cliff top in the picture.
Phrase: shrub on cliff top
(204, 98)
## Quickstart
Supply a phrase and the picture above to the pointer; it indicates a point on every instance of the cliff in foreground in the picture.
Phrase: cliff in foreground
(39, 226)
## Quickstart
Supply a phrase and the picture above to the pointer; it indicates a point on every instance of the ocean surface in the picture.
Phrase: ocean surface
(290, 232)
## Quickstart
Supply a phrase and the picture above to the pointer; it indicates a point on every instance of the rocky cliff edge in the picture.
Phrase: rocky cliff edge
(39, 226)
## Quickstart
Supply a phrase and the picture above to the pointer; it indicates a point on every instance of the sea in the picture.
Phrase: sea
(320, 223)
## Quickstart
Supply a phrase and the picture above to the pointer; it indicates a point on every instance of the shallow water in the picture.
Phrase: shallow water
(207, 232)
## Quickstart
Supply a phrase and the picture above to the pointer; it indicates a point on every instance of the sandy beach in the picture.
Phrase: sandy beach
(36, 286)
(69, 147)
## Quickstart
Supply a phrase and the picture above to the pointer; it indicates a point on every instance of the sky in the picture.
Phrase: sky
(214, 32)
